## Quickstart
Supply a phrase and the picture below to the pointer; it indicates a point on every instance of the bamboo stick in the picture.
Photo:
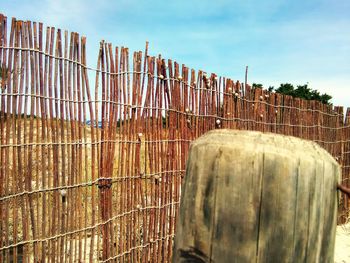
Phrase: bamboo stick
(16, 182)
(28, 173)
(36, 215)
(3, 53)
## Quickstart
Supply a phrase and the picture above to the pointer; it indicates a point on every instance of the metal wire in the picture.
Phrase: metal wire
(159, 77)
(90, 183)
(139, 247)
(86, 228)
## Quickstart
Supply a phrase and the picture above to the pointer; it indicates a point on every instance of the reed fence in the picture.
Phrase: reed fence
(91, 165)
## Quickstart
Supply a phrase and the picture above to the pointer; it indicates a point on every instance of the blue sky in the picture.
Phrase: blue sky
(281, 41)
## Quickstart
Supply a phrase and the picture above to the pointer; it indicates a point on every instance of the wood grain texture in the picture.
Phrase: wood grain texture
(254, 197)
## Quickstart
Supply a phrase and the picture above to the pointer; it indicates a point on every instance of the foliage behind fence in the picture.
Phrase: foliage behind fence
(91, 169)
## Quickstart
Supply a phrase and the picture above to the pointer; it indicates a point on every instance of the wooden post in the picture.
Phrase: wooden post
(254, 197)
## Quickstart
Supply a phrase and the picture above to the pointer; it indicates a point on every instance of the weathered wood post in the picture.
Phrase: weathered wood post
(254, 197)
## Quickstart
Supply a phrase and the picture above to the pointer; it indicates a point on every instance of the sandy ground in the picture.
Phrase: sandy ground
(342, 244)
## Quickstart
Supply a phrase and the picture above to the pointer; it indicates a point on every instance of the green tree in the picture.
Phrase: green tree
(286, 89)
(325, 98)
(304, 92)
(257, 85)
